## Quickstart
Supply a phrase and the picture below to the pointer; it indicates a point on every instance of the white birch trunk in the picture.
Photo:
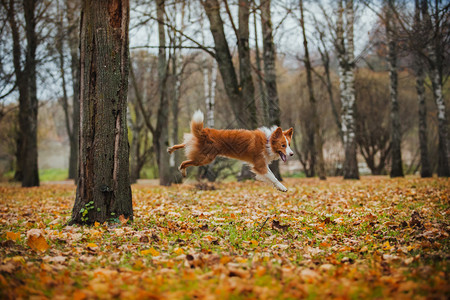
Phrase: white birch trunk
(347, 89)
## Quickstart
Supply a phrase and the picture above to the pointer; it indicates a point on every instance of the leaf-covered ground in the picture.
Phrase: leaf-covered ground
(373, 238)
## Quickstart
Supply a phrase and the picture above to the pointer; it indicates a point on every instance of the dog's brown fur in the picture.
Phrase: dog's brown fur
(203, 145)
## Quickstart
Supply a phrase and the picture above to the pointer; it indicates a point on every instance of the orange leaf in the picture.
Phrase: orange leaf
(36, 240)
(79, 295)
(123, 220)
(12, 236)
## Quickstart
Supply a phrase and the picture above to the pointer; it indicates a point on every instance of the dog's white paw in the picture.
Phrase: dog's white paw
(281, 188)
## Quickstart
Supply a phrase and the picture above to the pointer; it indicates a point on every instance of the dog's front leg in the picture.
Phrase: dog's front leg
(269, 177)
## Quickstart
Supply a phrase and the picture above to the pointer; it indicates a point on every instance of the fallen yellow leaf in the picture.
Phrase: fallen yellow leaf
(92, 245)
(151, 251)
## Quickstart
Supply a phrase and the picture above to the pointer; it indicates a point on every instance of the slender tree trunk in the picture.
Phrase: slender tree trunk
(436, 66)
(64, 99)
(264, 105)
(29, 113)
(317, 139)
(103, 190)
(21, 81)
(396, 139)
(325, 57)
(245, 65)
(74, 42)
(418, 46)
(425, 170)
(161, 138)
(177, 69)
(209, 86)
(443, 148)
(270, 77)
(347, 83)
(136, 157)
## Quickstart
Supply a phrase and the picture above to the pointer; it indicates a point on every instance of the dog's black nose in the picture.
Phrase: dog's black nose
(292, 154)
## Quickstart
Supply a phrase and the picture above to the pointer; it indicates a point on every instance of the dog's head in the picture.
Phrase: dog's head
(280, 142)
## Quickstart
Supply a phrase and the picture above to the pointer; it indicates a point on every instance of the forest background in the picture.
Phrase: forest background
(290, 64)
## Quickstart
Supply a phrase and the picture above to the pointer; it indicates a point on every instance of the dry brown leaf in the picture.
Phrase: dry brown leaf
(36, 240)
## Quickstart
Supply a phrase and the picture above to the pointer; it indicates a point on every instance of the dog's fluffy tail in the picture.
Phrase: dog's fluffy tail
(197, 123)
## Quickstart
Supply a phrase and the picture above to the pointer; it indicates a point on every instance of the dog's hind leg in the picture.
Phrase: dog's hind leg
(175, 147)
(184, 165)
(201, 161)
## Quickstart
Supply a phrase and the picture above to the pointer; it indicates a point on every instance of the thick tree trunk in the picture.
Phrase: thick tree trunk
(29, 112)
(317, 140)
(245, 65)
(270, 77)
(74, 42)
(396, 139)
(225, 63)
(103, 190)
(242, 94)
(347, 83)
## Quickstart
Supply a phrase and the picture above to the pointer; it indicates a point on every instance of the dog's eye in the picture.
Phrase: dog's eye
(284, 146)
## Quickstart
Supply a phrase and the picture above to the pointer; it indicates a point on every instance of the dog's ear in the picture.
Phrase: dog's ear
(277, 134)
(288, 133)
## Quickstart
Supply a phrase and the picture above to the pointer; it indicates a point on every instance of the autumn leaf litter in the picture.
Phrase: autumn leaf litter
(373, 238)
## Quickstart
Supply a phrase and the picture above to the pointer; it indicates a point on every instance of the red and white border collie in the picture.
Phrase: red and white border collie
(256, 147)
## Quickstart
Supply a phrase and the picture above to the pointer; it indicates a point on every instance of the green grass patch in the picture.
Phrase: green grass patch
(53, 174)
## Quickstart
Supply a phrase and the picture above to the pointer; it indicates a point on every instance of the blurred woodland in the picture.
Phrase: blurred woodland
(363, 83)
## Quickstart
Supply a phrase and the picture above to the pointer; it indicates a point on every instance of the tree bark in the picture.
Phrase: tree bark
(103, 190)
(161, 136)
(425, 167)
(74, 42)
(21, 82)
(425, 170)
(435, 49)
(346, 77)
(225, 63)
(28, 112)
(396, 139)
(317, 139)
(242, 94)
(270, 77)
(264, 106)
(245, 65)
(26, 153)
